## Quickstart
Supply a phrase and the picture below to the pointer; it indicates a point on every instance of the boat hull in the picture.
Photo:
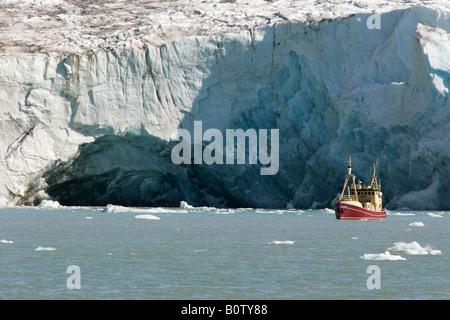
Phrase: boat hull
(345, 211)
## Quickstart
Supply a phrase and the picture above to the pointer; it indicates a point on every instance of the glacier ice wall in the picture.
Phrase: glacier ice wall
(94, 129)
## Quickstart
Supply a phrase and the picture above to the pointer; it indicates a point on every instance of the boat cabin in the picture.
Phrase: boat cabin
(367, 196)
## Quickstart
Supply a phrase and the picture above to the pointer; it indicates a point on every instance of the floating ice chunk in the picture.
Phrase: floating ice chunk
(434, 215)
(221, 211)
(381, 256)
(119, 209)
(146, 217)
(416, 224)
(414, 248)
(270, 211)
(88, 218)
(49, 204)
(110, 208)
(45, 249)
(390, 213)
(433, 252)
(6, 241)
(282, 242)
(185, 205)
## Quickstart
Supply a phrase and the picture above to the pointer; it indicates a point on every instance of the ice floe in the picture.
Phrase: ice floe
(381, 256)
(414, 248)
(411, 248)
(416, 224)
(119, 209)
(392, 213)
(45, 249)
(434, 215)
(147, 217)
(282, 242)
(49, 204)
(185, 205)
(270, 211)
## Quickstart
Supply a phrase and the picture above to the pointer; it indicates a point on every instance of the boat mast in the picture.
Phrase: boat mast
(374, 183)
(347, 177)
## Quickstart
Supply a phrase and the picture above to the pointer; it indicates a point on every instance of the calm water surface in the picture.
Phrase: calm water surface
(221, 254)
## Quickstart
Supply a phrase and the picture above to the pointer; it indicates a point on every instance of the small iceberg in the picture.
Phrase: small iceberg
(434, 215)
(328, 211)
(416, 224)
(6, 241)
(381, 256)
(185, 205)
(45, 249)
(270, 211)
(282, 242)
(49, 204)
(147, 217)
(414, 248)
(391, 213)
(110, 208)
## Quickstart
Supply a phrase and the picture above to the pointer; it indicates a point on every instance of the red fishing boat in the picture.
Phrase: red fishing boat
(360, 201)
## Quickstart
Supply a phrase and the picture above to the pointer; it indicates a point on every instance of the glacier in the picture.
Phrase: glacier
(89, 111)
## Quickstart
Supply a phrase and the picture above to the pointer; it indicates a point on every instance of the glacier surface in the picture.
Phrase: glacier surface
(89, 107)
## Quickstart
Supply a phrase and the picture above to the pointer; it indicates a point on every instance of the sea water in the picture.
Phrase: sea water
(209, 253)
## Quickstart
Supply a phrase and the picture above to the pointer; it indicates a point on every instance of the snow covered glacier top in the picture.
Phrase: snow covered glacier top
(29, 26)
(91, 93)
